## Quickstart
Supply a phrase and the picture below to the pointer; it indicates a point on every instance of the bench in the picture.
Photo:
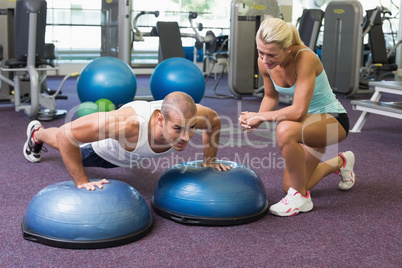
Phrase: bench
(375, 106)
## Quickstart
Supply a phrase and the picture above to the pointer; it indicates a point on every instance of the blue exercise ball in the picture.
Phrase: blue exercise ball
(107, 78)
(62, 215)
(191, 194)
(177, 74)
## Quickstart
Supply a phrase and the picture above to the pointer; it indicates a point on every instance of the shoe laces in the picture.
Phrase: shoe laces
(288, 198)
(341, 177)
(36, 147)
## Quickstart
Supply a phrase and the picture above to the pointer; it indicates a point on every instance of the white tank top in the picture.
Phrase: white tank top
(111, 150)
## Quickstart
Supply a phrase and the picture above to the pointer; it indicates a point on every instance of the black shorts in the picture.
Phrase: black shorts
(91, 159)
(343, 119)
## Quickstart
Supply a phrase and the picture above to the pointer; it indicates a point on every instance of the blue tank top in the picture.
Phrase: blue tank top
(323, 101)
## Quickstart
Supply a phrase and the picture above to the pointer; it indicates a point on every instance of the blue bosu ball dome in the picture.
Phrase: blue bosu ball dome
(191, 194)
(62, 215)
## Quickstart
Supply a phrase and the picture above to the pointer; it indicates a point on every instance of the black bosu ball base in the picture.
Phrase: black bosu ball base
(208, 221)
(33, 236)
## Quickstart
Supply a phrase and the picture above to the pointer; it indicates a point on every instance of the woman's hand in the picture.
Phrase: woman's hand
(249, 121)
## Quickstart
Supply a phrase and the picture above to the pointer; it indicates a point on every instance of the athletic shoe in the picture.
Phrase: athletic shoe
(292, 204)
(32, 149)
(346, 171)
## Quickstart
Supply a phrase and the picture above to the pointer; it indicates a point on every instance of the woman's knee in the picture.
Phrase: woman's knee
(285, 133)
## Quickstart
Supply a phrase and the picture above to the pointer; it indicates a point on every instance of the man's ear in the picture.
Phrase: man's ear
(160, 118)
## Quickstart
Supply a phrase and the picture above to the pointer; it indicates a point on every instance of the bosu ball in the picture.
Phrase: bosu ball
(61, 215)
(191, 194)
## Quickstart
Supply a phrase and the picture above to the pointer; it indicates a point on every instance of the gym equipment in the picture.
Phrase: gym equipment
(177, 74)
(209, 40)
(116, 34)
(191, 194)
(48, 100)
(342, 45)
(105, 105)
(170, 44)
(86, 108)
(245, 19)
(31, 62)
(1, 58)
(378, 65)
(309, 27)
(375, 106)
(219, 58)
(61, 215)
(107, 78)
(138, 36)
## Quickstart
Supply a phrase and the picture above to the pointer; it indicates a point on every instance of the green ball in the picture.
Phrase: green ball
(105, 105)
(87, 108)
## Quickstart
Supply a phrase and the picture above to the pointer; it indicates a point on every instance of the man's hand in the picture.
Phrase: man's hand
(217, 166)
(90, 186)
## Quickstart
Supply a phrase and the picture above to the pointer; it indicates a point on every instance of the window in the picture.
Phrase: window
(391, 18)
(75, 26)
(213, 14)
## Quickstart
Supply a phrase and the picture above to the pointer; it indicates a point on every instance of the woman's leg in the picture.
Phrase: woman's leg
(312, 161)
(323, 169)
(296, 141)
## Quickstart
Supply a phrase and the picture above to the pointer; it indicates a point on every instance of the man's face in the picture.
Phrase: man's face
(178, 129)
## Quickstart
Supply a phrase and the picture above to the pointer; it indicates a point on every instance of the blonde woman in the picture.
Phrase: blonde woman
(315, 119)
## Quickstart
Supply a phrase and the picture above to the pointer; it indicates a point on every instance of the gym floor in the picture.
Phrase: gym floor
(358, 228)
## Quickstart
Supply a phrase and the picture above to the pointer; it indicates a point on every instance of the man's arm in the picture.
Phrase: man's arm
(94, 127)
(209, 121)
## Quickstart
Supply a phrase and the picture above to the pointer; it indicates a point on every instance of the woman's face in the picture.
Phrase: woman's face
(271, 54)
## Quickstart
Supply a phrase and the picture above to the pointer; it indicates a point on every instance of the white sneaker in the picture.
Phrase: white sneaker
(292, 204)
(32, 150)
(346, 171)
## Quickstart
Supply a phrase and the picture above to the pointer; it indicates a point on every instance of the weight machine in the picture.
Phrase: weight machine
(342, 45)
(138, 36)
(116, 35)
(245, 19)
(31, 62)
(170, 36)
(379, 64)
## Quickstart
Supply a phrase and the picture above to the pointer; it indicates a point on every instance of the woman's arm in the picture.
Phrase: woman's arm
(306, 66)
(269, 102)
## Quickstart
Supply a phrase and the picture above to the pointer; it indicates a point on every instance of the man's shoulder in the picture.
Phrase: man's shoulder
(140, 104)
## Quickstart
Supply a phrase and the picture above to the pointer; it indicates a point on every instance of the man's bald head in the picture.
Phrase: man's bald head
(179, 102)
